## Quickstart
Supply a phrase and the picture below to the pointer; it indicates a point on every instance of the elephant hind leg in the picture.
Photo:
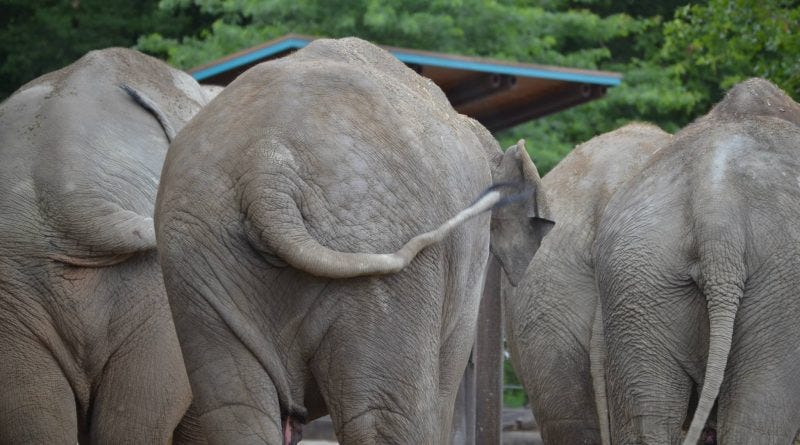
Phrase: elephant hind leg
(143, 392)
(570, 431)
(234, 399)
(759, 401)
(240, 423)
(653, 347)
(189, 431)
(37, 404)
(378, 393)
(742, 434)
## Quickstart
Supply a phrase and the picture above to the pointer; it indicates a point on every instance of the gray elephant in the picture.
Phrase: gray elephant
(89, 350)
(211, 91)
(269, 202)
(698, 264)
(549, 316)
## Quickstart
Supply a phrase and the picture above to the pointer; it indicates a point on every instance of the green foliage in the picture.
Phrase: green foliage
(37, 37)
(514, 395)
(714, 46)
(514, 398)
(494, 28)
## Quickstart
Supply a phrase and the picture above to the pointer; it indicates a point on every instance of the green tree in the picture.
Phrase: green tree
(500, 29)
(711, 47)
(40, 36)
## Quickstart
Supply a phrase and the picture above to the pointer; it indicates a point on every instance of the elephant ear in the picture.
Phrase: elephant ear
(518, 227)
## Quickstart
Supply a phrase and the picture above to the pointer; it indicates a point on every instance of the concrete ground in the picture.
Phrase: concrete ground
(509, 438)
(519, 428)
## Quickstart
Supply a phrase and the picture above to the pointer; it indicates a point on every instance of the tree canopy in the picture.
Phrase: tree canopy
(677, 58)
(39, 36)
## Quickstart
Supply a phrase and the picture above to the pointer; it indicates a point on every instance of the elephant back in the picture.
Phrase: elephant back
(371, 152)
(86, 156)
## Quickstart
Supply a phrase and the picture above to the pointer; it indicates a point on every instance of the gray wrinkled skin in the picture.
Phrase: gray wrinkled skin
(337, 149)
(698, 261)
(211, 91)
(549, 316)
(87, 344)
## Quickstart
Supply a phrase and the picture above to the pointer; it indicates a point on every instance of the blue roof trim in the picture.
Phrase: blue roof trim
(420, 59)
(244, 59)
(505, 69)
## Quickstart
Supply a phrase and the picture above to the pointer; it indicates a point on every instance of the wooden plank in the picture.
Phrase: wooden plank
(489, 360)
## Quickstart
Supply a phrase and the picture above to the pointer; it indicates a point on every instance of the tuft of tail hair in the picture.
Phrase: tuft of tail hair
(515, 192)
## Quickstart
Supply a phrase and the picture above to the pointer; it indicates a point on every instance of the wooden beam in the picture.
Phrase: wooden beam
(489, 360)
(479, 87)
(575, 94)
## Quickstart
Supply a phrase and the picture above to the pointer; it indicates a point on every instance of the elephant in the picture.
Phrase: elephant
(549, 317)
(273, 204)
(89, 350)
(697, 262)
(211, 91)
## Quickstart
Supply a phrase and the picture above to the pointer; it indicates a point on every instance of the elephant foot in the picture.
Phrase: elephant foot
(292, 430)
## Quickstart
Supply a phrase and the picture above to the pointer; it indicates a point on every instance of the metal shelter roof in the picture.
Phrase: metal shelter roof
(499, 94)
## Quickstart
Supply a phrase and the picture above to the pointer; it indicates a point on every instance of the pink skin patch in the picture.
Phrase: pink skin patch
(287, 431)
(709, 436)
(292, 431)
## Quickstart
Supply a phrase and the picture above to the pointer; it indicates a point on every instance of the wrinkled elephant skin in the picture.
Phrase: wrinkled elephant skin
(88, 349)
(698, 267)
(549, 316)
(279, 207)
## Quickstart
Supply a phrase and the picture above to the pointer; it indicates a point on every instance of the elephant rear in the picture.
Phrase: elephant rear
(87, 327)
(550, 315)
(320, 246)
(686, 265)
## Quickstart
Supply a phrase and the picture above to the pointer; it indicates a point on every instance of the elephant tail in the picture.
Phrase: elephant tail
(148, 104)
(275, 227)
(597, 359)
(720, 275)
(107, 236)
